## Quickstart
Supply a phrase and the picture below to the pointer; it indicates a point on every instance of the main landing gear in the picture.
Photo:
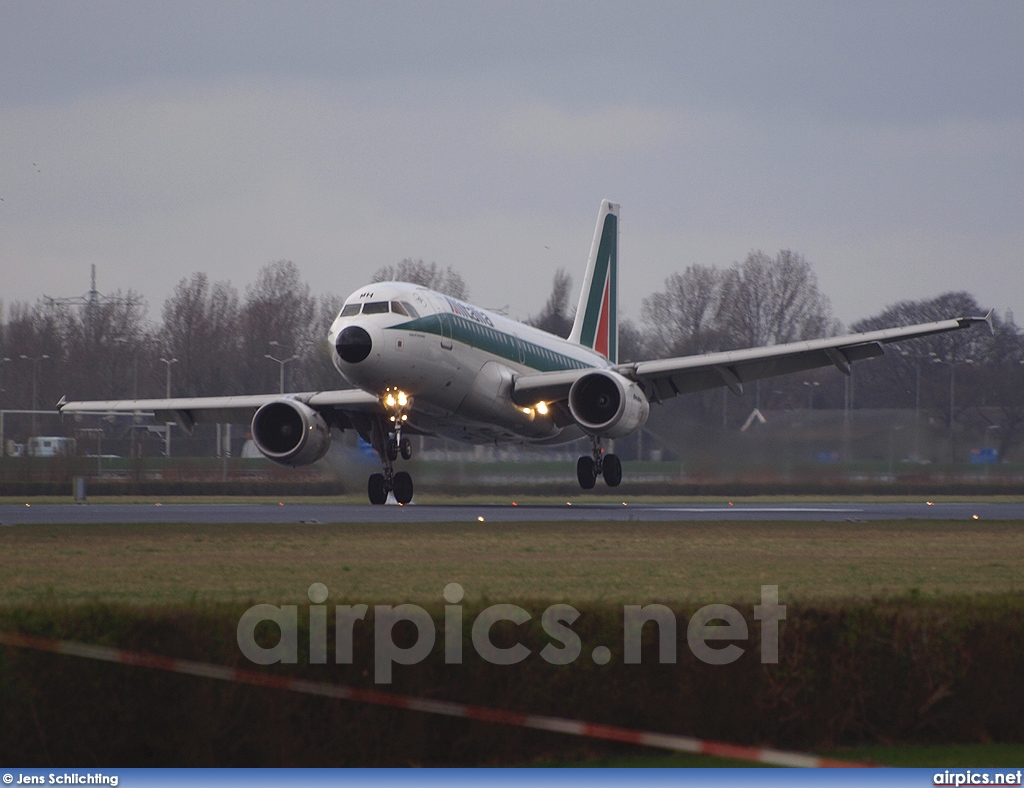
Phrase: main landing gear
(598, 464)
(399, 483)
(388, 449)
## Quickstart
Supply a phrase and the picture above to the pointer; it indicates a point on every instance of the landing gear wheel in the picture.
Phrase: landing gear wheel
(611, 469)
(377, 489)
(586, 472)
(391, 447)
(402, 487)
(405, 447)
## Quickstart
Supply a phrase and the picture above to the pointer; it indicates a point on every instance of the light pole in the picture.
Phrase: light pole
(952, 395)
(167, 440)
(168, 362)
(811, 386)
(847, 405)
(280, 361)
(917, 403)
(35, 375)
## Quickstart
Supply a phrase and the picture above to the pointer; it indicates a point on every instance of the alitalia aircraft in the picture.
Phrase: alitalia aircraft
(424, 363)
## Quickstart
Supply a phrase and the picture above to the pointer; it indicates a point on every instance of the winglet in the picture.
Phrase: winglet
(596, 325)
(967, 322)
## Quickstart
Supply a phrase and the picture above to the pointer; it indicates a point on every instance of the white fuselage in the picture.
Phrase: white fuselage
(455, 361)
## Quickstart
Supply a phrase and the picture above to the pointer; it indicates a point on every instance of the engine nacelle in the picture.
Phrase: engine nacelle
(290, 433)
(606, 404)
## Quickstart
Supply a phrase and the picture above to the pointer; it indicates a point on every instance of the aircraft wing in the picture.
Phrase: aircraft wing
(665, 378)
(188, 411)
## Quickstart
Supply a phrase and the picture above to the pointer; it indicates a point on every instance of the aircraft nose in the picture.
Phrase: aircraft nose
(353, 344)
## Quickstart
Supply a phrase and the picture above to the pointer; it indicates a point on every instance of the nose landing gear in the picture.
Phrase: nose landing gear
(598, 464)
(389, 443)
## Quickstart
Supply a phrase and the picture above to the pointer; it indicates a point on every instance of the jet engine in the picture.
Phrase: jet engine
(290, 433)
(606, 404)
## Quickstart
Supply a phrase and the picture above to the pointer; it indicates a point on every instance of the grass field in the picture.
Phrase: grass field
(567, 562)
(157, 567)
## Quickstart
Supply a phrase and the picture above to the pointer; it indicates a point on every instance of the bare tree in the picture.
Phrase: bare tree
(200, 329)
(633, 342)
(429, 275)
(682, 319)
(557, 316)
(98, 343)
(278, 308)
(319, 371)
(972, 377)
(32, 331)
(767, 301)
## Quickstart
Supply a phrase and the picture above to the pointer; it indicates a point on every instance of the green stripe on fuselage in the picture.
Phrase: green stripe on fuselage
(497, 343)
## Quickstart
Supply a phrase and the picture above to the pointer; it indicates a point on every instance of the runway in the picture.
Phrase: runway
(227, 513)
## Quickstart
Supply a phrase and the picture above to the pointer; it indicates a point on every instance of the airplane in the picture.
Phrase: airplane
(424, 363)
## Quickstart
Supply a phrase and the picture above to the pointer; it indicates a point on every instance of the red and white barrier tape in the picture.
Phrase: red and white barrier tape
(481, 713)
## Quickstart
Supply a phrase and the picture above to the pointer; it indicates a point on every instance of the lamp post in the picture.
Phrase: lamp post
(35, 376)
(917, 402)
(168, 362)
(811, 386)
(167, 439)
(952, 395)
(847, 405)
(280, 361)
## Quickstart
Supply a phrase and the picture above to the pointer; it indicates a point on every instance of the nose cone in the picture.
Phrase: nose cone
(353, 344)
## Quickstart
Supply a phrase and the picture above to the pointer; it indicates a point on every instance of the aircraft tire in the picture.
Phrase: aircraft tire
(405, 447)
(391, 447)
(585, 473)
(403, 487)
(611, 469)
(377, 489)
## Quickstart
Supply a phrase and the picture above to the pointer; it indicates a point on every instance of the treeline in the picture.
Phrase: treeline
(967, 380)
(210, 339)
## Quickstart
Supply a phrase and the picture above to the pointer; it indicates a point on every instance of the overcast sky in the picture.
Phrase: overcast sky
(884, 141)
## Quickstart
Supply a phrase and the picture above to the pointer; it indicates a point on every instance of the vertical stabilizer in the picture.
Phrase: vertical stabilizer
(597, 321)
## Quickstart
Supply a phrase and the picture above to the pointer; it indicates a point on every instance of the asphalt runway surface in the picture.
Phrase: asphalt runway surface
(200, 513)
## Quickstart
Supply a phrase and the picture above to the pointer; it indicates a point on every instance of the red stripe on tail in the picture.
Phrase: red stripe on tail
(601, 340)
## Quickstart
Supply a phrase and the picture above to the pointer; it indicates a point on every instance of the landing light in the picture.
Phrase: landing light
(396, 399)
(542, 408)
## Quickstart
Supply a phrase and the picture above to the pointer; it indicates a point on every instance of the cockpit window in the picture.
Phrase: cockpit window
(375, 308)
(350, 309)
(403, 308)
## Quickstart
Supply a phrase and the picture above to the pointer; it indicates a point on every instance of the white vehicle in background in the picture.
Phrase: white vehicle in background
(50, 446)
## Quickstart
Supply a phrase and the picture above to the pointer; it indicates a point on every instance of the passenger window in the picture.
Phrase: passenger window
(350, 309)
(375, 308)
